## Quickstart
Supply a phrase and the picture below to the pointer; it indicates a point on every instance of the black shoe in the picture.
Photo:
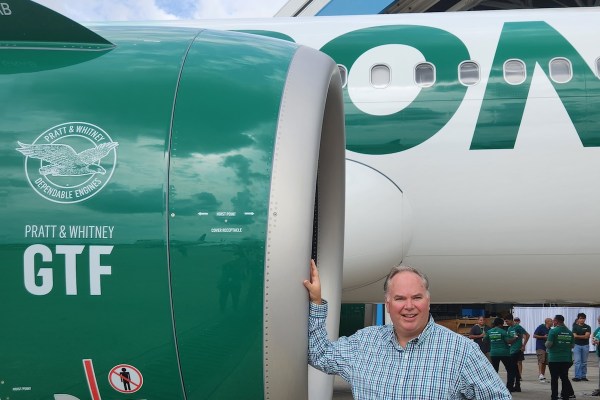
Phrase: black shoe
(585, 379)
(575, 379)
(517, 389)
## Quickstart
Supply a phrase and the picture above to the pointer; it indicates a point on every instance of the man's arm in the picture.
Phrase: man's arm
(314, 284)
(536, 334)
(525, 339)
(329, 357)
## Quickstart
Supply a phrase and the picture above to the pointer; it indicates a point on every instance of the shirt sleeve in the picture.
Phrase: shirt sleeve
(479, 380)
(329, 357)
(522, 331)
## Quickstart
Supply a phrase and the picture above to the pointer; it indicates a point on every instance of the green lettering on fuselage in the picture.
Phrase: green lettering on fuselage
(503, 104)
(430, 110)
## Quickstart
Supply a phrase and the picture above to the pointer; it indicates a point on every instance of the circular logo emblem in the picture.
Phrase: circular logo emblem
(70, 162)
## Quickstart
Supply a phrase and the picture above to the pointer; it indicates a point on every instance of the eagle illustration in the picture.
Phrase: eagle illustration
(64, 161)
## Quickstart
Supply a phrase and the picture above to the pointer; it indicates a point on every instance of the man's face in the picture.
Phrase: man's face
(548, 322)
(509, 322)
(480, 321)
(407, 302)
(581, 320)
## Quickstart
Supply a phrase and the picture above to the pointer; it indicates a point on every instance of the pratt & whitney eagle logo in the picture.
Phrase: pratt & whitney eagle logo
(70, 162)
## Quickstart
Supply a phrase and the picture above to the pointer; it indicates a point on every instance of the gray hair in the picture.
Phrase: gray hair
(404, 268)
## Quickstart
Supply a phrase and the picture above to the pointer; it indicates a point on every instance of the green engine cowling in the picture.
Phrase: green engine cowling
(162, 192)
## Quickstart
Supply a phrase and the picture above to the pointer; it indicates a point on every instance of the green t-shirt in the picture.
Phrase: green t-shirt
(582, 330)
(597, 336)
(516, 331)
(562, 343)
(498, 339)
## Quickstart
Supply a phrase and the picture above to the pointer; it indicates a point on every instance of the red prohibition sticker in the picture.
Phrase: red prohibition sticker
(125, 378)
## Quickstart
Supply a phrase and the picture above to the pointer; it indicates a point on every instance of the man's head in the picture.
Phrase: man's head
(558, 320)
(517, 320)
(480, 321)
(407, 301)
(581, 318)
(548, 322)
(509, 319)
(498, 322)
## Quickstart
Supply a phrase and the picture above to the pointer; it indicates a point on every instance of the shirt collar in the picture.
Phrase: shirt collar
(427, 331)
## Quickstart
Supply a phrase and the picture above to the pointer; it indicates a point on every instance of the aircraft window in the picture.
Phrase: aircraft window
(381, 76)
(425, 74)
(560, 70)
(343, 74)
(468, 73)
(514, 72)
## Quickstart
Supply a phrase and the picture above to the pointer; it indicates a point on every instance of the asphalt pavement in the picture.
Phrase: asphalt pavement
(532, 388)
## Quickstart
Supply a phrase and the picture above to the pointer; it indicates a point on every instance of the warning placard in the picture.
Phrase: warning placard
(125, 378)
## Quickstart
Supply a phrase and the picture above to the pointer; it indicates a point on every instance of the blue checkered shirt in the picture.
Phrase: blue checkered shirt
(438, 364)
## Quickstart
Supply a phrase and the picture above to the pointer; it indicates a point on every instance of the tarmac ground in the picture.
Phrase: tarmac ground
(532, 388)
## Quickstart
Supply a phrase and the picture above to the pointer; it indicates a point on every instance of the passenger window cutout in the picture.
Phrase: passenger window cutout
(344, 74)
(561, 70)
(468, 73)
(381, 76)
(514, 72)
(425, 74)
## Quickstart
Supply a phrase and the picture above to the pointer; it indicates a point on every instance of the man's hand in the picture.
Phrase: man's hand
(314, 285)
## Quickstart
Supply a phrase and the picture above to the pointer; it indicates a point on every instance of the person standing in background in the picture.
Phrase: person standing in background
(560, 358)
(541, 335)
(500, 352)
(517, 332)
(521, 356)
(581, 333)
(477, 333)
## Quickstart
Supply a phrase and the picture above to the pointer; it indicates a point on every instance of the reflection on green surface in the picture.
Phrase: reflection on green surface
(223, 138)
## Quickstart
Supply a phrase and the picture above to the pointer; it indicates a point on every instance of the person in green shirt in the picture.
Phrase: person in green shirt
(517, 348)
(499, 341)
(560, 357)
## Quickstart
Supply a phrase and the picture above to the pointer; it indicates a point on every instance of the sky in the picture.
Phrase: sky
(131, 10)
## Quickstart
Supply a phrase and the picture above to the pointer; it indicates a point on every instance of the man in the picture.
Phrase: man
(499, 341)
(525, 341)
(412, 359)
(477, 333)
(596, 342)
(581, 333)
(559, 345)
(517, 349)
(541, 335)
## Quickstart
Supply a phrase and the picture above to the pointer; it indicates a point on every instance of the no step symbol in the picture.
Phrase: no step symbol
(125, 378)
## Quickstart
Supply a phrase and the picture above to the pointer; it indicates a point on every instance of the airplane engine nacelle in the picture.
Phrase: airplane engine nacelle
(162, 192)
